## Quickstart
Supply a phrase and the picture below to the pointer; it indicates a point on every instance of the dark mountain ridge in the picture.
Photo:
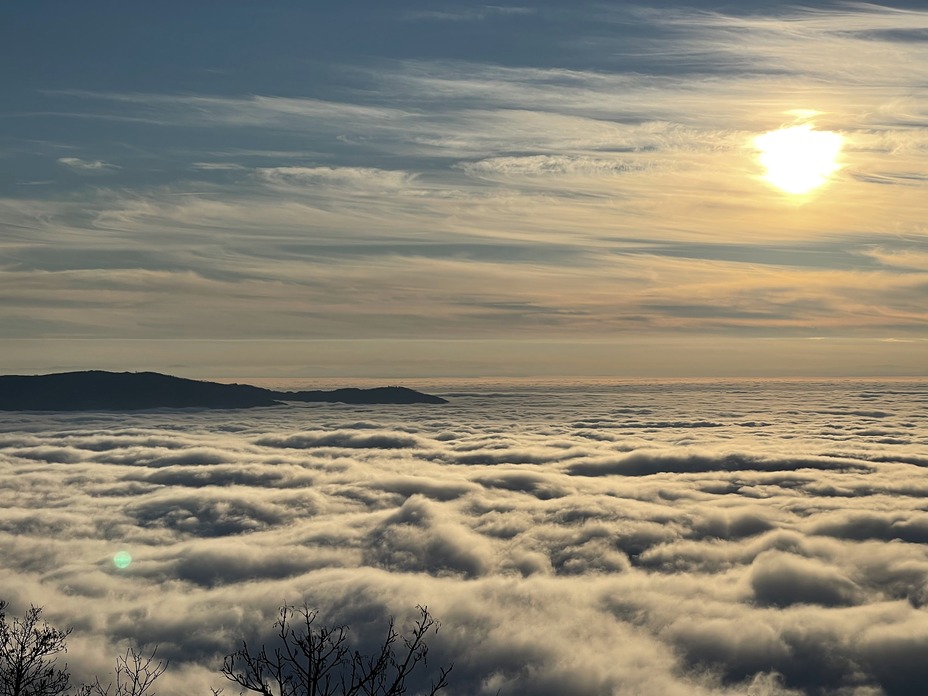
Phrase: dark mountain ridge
(98, 390)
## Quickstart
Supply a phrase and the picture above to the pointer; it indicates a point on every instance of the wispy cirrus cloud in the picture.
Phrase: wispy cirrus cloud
(551, 166)
(86, 166)
(358, 178)
(602, 187)
(468, 14)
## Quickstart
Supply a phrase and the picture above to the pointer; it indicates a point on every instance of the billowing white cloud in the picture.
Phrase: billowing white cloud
(607, 538)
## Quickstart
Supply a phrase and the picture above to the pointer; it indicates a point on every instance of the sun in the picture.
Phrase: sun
(799, 159)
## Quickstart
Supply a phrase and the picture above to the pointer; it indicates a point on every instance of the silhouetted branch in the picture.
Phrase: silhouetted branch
(135, 675)
(29, 650)
(310, 660)
(315, 660)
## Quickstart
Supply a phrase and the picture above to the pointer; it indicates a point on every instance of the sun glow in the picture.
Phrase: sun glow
(799, 159)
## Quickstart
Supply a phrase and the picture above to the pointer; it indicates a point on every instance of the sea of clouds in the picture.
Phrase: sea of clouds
(653, 539)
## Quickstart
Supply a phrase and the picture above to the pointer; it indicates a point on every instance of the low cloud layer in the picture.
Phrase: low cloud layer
(742, 538)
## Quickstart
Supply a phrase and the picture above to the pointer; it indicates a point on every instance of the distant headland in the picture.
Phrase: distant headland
(98, 390)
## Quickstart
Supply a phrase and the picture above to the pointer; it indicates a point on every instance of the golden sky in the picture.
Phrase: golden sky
(557, 189)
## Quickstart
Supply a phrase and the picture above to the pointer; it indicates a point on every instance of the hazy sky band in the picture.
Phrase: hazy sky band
(545, 173)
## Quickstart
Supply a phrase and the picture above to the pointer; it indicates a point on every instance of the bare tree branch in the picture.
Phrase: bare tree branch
(315, 660)
(29, 650)
(135, 675)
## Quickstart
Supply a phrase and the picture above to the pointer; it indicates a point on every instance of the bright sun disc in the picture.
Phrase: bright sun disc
(799, 159)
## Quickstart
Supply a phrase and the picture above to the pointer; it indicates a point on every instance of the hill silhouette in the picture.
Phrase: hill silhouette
(98, 390)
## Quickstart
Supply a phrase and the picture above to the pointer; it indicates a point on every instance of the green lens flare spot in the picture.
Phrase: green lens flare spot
(122, 560)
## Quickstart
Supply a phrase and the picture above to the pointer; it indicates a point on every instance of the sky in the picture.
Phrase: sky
(371, 189)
